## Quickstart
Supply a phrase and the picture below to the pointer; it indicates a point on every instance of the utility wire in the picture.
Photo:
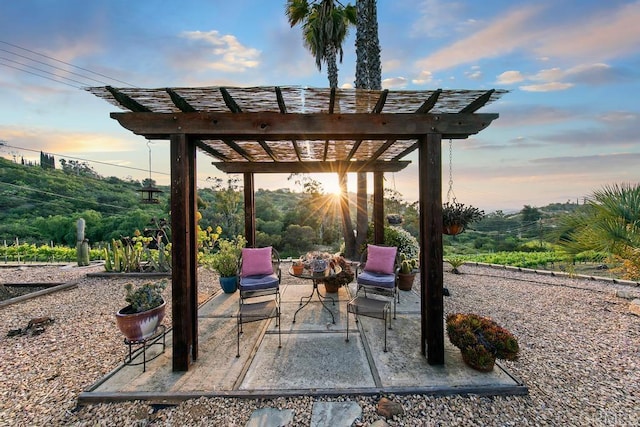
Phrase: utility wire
(44, 77)
(84, 160)
(68, 64)
(41, 70)
(49, 65)
(23, 187)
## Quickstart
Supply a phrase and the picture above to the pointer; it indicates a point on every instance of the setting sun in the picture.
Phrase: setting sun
(329, 181)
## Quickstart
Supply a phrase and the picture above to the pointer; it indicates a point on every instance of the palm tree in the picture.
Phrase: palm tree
(325, 25)
(610, 222)
(368, 69)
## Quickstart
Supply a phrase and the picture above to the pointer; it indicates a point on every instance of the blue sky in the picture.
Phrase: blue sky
(568, 126)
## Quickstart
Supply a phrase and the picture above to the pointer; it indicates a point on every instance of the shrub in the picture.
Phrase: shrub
(395, 236)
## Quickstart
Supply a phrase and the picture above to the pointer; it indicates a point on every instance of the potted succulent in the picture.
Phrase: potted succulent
(481, 340)
(344, 277)
(456, 216)
(297, 267)
(140, 319)
(225, 262)
(408, 269)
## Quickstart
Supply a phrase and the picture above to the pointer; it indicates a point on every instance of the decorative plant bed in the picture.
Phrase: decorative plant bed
(11, 293)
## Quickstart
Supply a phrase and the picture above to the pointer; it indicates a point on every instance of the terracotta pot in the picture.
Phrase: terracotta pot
(139, 326)
(331, 288)
(298, 269)
(453, 229)
(405, 281)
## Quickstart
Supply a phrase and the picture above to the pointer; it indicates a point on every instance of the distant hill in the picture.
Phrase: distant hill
(31, 193)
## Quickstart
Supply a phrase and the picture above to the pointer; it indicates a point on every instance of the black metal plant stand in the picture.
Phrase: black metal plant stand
(137, 346)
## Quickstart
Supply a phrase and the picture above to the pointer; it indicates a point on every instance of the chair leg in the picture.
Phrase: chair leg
(347, 340)
(238, 327)
(384, 318)
(279, 330)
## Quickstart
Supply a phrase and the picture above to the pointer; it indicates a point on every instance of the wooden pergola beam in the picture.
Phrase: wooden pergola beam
(310, 166)
(277, 126)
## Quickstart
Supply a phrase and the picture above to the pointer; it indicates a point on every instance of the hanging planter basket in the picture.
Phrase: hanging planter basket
(456, 216)
(394, 219)
(452, 229)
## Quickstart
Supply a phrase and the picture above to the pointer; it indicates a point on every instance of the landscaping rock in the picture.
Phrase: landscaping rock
(634, 307)
(388, 408)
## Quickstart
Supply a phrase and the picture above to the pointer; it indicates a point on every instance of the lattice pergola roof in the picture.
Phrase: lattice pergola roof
(267, 139)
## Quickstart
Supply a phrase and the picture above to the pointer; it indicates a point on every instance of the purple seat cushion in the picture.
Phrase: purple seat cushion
(379, 280)
(380, 259)
(258, 282)
(256, 261)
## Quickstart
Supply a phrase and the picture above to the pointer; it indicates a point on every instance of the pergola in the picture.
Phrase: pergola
(302, 130)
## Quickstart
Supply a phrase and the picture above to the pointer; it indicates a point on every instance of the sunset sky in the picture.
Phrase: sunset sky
(568, 126)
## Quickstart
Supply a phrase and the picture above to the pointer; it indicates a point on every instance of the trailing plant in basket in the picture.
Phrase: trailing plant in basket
(145, 297)
(455, 213)
(481, 340)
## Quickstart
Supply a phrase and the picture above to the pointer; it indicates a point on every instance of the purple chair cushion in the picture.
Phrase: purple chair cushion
(258, 282)
(256, 261)
(380, 259)
(379, 280)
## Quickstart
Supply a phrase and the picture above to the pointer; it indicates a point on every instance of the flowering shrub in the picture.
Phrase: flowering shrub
(399, 237)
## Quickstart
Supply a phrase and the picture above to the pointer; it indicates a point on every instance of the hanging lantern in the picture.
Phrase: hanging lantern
(149, 191)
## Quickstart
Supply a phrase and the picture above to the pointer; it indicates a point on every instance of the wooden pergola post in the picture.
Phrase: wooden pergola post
(362, 215)
(184, 238)
(249, 210)
(378, 208)
(431, 271)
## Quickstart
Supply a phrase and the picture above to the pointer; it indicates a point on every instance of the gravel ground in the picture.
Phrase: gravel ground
(580, 354)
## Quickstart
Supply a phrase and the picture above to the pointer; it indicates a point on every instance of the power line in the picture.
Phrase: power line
(48, 65)
(84, 160)
(44, 77)
(23, 187)
(41, 70)
(66, 63)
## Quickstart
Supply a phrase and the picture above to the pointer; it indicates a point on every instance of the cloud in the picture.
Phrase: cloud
(610, 33)
(557, 79)
(505, 34)
(510, 77)
(436, 15)
(423, 78)
(534, 115)
(607, 132)
(228, 54)
(547, 87)
(474, 73)
(394, 82)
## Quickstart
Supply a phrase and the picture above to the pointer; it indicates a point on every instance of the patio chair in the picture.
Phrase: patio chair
(380, 266)
(259, 277)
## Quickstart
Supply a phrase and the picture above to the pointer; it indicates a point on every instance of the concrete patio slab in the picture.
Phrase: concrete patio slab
(314, 357)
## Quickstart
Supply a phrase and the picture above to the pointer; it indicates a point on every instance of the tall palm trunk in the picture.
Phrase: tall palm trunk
(368, 69)
(332, 66)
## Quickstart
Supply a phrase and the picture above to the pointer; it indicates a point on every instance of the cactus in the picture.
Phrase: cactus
(82, 244)
(108, 264)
